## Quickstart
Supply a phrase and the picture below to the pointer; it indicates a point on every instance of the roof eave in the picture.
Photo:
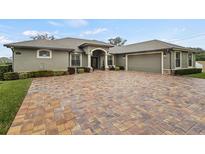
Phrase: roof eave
(186, 49)
(37, 47)
(93, 44)
(129, 52)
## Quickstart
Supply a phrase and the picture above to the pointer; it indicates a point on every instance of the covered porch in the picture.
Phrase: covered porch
(99, 58)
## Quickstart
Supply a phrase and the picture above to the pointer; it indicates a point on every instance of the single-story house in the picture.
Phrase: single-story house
(149, 56)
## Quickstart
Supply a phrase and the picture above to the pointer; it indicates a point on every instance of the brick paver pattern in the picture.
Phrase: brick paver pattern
(113, 102)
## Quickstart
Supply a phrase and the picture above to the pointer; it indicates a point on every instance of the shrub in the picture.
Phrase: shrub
(117, 68)
(11, 76)
(5, 69)
(122, 67)
(81, 70)
(71, 70)
(87, 69)
(111, 67)
(23, 75)
(187, 71)
(59, 73)
(102, 68)
(41, 73)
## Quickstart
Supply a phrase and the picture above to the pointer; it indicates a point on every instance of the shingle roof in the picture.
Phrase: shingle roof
(76, 44)
(64, 43)
(152, 45)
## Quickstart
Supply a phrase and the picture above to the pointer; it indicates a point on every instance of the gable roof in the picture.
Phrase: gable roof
(61, 44)
(151, 45)
(71, 44)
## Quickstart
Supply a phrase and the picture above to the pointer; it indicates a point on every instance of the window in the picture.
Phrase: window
(43, 53)
(178, 59)
(109, 60)
(75, 59)
(190, 59)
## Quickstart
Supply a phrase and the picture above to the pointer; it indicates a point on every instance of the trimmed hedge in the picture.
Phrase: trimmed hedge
(43, 73)
(34, 74)
(71, 70)
(11, 76)
(122, 67)
(23, 75)
(187, 71)
(59, 73)
(5, 69)
(111, 68)
(81, 70)
(87, 69)
(117, 68)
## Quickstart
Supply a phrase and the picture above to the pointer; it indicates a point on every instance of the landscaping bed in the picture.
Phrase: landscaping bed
(12, 94)
(187, 71)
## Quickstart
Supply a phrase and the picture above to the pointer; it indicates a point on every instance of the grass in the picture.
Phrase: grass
(198, 75)
(12, 94)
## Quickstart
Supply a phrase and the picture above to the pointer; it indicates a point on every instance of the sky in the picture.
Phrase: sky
(188, 33)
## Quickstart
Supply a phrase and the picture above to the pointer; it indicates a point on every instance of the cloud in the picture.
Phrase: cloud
(180, 29)
(94, 32)
(76, 23)
(4, 40)
(53, 23)
(34, 33)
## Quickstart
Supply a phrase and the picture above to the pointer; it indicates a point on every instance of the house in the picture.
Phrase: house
(150, 56)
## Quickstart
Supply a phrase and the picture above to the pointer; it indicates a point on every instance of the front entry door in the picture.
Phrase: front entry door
(94, 62)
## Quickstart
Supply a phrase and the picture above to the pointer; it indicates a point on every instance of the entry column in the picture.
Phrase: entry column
(89, 60)
(106, 65)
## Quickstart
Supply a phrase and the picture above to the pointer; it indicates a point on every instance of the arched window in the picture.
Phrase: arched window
(44, 53)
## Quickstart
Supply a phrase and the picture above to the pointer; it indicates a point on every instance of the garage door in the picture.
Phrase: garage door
(145, 62)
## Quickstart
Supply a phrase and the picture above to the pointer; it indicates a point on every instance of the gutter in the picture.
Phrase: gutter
(39, 47)
(144, 51)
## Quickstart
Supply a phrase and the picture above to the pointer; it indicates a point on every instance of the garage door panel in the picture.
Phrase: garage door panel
(146, 63)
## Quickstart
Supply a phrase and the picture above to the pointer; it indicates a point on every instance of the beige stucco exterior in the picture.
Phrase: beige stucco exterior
(60, 60)
(84, 60)
(27, 61)
(119, 60)
(168, 66)
(167, 58)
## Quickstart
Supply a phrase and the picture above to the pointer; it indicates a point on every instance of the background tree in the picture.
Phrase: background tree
(43, 37)
(118, 41)
(201, 55)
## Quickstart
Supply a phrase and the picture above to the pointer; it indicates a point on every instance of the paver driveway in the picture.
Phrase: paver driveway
(110, 102)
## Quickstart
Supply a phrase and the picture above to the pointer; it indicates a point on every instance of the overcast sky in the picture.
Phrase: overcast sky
(190, 33)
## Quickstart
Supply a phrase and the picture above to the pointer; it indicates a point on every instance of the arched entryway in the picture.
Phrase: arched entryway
(98, 58)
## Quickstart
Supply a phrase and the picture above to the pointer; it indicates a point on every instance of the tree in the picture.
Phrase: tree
(201, 55)
(43, 37)
(118, 41)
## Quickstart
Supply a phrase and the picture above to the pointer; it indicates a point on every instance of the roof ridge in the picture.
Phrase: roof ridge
(81, 39)
(170, 44)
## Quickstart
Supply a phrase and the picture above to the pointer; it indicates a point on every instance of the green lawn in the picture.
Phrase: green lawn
(12, 94)
(198, 75)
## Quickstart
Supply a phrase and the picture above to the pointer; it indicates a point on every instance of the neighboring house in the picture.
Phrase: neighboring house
(150, 56)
